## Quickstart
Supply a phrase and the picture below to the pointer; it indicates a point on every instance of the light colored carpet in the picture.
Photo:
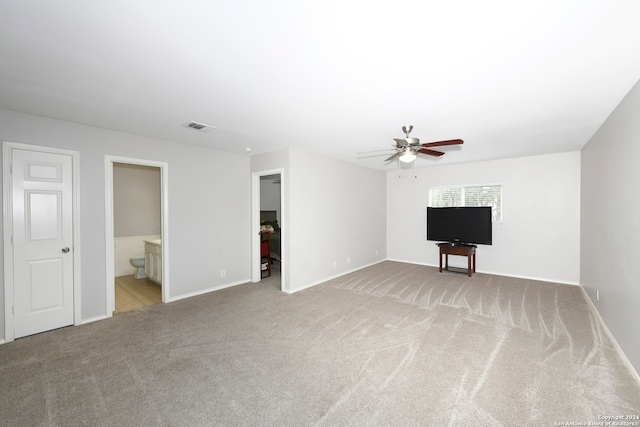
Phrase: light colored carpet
(392, 344)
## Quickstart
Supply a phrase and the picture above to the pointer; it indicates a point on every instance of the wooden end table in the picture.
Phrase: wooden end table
(469, 251)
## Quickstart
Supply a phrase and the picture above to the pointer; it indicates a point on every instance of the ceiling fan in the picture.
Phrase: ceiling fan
(407, 149)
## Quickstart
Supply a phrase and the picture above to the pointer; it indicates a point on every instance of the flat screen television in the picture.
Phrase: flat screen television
(460, 225)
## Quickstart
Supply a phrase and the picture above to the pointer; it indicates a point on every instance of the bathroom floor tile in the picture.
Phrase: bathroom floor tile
(132, 293)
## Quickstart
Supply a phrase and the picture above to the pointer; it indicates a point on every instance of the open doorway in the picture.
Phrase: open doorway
(269, 224)
(271, 229)
(136, 235)
(137, 246)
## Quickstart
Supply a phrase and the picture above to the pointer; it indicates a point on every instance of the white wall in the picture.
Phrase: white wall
(337, 217)
(540, 234)
(136, 200)
(610, 226)
(334, 212)
(209, 204)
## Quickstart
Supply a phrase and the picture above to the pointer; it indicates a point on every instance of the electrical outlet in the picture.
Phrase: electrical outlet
(376, 252)
(334, 264)
(223, 273)
(597, 294)
(348, 260)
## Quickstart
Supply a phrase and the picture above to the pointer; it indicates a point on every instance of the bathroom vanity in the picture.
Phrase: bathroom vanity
(153, 260)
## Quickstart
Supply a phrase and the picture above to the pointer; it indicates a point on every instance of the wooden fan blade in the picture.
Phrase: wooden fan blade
(392, 157)
(430, 152)
(440, 143)
(400, 142)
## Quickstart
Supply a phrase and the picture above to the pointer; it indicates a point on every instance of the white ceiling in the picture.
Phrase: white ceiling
(511, 78)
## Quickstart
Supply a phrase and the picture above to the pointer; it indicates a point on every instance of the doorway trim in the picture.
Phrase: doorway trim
(256, 274)
(7, 192)
(109, 224)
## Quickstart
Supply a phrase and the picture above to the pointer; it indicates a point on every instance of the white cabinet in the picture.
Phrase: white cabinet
(153, 260)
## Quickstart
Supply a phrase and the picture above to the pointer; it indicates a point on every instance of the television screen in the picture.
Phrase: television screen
(460, 225)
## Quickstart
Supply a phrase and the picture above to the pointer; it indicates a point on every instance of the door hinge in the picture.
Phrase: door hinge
(13, 310)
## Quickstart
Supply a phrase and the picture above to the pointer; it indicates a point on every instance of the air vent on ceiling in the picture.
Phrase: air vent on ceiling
(199, 126)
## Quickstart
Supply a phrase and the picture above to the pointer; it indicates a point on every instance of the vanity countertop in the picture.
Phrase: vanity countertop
(154, 242)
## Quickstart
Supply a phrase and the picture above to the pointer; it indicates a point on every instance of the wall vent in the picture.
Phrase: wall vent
(199, 126)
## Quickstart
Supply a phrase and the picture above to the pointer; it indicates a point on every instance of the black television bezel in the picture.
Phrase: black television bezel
(487, 228)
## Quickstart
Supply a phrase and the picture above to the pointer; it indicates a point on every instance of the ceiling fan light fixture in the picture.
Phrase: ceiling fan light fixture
(407, 150)
(407, 157)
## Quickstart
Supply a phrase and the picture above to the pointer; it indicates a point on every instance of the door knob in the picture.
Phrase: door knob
(65, 250)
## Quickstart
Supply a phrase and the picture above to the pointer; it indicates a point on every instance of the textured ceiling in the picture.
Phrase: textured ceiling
(511, 78)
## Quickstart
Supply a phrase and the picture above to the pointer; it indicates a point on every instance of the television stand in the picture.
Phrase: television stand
(469, 251)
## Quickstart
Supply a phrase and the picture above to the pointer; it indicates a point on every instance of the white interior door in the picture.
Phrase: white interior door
(42, 205)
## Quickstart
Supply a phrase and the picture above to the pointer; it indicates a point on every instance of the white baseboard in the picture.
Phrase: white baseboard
(309, 285)
(623, 356)
(539, 279)
(206, 291)
(93, 319)
(2, 341)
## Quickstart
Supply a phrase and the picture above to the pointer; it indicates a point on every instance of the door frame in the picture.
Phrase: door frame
(7, 196)
(256, 272)
(109, 227)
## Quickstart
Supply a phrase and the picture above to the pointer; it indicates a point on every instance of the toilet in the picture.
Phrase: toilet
(139, 264)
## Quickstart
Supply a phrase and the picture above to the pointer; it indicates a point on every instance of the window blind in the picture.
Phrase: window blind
(481, 195)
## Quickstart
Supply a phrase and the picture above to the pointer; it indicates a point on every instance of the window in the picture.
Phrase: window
(481, 195)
